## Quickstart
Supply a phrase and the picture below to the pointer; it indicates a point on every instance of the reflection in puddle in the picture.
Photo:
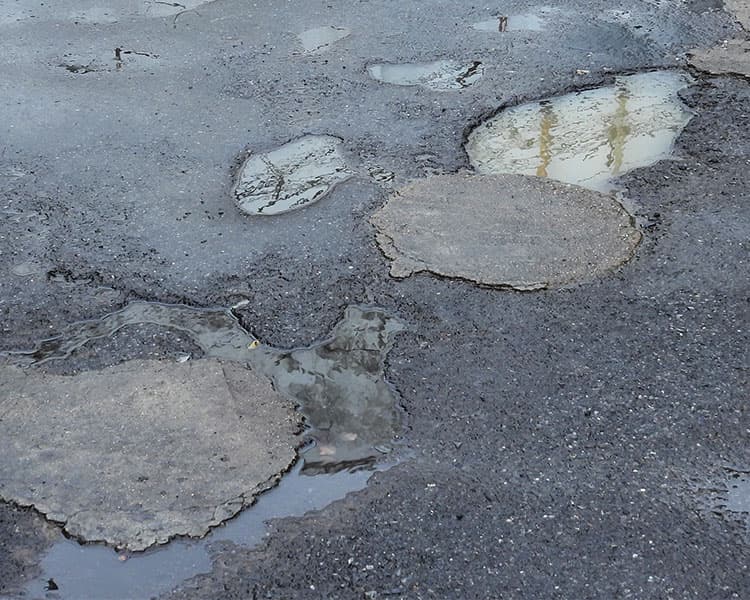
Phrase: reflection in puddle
(95, 571)
(526, 22)
(589, 137)
(319, 38)
(291, 176)
(339, 383)
(439, 75)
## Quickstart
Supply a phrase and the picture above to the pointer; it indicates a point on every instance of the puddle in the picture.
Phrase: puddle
(738, 494)
(728, 497)
(588, 138)
(352, 414)
(27, 269)
(732, 495)
(95, 571)
(525, 22)
(353, 419)
(290, 177)
(440, 75)
(320, 38)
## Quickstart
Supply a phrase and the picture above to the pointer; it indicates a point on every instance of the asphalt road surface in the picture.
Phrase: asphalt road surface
(578, 441)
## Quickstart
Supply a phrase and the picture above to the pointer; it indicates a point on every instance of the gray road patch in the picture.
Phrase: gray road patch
(440, 75)
(730, 57)
(136, 454)
(290, 177)
(516, 231)
(740, 9)
(587, 138)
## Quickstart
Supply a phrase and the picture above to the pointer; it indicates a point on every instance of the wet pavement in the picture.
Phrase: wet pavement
(569, 442)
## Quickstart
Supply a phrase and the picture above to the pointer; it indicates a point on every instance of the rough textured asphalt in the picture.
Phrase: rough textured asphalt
(565, 442)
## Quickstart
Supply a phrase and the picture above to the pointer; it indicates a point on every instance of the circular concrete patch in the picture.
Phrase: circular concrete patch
(506, 231)
(136, 454)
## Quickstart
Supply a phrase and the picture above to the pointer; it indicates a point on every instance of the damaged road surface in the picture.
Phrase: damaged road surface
(374, 300)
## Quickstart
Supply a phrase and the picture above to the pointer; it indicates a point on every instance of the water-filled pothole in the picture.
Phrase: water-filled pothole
(439, 75)
(730, 497)
(351, 411)
(522, 22)
(81, 572)
(588, 138)
(353, 417)
(290, 177)
(319, 39)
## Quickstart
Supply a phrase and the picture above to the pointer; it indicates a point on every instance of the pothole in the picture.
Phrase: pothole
(353, 418)
(730, 497)
(440, 75)
(587, 138)
(350, 410)
(290, 177)
(512, 231)
(319, 39)
(520, 22)
(95, 571)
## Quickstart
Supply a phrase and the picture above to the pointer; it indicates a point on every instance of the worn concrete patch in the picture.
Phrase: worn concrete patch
(740, 9)
(440, 75)
(291, 176)
(730, 57)
(512, 230)
(136, 454)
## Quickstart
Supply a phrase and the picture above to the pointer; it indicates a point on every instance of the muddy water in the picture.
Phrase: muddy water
(352, 415)
(588, 138)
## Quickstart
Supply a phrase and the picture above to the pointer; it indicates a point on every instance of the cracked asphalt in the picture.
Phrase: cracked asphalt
(567, 443)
